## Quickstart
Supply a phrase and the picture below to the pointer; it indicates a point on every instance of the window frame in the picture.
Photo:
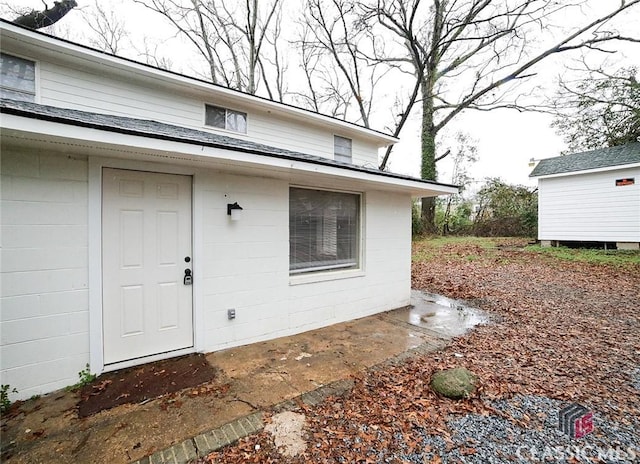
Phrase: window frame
(227, 112)
(341, 157)
(320, 273)
(36, 78)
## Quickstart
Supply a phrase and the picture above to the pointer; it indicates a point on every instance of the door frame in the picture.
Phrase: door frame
(96, 336)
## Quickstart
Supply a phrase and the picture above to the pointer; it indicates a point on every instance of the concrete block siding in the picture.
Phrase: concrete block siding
(44, 319)
(247, 264)
(44, 309)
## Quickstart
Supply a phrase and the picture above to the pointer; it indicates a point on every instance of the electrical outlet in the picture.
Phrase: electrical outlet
(231, 313)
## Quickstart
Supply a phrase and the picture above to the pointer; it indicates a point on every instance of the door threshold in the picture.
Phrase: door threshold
(147, 359)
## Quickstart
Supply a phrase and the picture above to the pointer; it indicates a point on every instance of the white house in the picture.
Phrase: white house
(121, 241)
(590, 197)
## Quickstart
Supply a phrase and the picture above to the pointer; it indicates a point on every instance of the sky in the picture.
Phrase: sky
(506, 139)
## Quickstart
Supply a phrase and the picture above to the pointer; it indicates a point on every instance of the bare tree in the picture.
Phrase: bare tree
(49, 16)
(276, 59)
(231, 37)
(335, 47)
(150, 54)
(472, 54)
(108, 31)
(464, 154)
(323, 92)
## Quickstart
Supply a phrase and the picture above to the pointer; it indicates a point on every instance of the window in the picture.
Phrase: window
(223, 118)
(324, 230)
(17, 78)
(342, 149)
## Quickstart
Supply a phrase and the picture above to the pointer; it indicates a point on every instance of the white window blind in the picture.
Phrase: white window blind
(17, 78)
(324, 230)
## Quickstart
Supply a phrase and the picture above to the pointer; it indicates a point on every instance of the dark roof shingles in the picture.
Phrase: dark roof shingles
(594, 159)
(154, 129)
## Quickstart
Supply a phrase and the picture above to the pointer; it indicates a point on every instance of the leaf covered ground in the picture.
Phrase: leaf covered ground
(562, 328)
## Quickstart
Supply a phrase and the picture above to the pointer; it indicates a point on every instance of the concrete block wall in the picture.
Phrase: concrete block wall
(44, 318)
(246, 264)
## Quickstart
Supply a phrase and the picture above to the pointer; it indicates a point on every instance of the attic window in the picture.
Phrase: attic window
(17, 78)
(224, 118)
(341, 149)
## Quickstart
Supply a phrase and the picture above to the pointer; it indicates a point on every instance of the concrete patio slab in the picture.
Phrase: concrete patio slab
(251, 379)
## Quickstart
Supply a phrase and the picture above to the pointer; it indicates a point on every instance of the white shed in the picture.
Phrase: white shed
(592, 196)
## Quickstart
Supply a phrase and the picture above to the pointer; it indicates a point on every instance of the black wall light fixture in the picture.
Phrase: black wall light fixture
(235, 211)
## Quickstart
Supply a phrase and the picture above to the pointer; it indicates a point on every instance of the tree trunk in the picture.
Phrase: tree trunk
(428, 152)
(40, 19)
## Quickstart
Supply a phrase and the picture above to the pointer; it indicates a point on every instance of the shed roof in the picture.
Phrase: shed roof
(162, 131)
(589, 160)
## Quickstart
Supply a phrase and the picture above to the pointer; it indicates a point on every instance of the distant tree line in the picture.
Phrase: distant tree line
(497, 210)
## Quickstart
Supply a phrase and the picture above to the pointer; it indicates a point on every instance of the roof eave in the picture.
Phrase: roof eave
(44, 131)
(585, 171)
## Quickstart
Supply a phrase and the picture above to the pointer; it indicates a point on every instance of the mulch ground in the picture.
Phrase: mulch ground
(561, 329)
(140, 383)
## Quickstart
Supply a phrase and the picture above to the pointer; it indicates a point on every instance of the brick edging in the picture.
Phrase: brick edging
(213, 440)
(199, 446)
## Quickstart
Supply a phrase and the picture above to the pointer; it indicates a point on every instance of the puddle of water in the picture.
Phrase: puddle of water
(442, 315)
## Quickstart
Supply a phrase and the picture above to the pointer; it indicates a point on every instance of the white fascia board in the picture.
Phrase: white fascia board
(42, 131)
(588, 171)
(96, 58)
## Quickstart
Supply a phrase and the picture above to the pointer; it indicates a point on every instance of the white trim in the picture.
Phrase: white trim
(96, 336)
(91, 58)
(38, 88)
(94, 204)
(589, 171)
(312, 277)
(328, 267)
(124, 143)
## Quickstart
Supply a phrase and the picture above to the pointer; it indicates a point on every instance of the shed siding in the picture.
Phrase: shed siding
(44, 322)
(245, 266)
(589, 207)
(72, 87)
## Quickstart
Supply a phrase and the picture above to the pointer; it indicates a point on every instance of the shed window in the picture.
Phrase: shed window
(17, 78)
(324, 230)
(224, 118)
(342, 149)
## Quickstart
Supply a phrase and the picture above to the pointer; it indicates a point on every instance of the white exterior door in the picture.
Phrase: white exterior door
(146, 248)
